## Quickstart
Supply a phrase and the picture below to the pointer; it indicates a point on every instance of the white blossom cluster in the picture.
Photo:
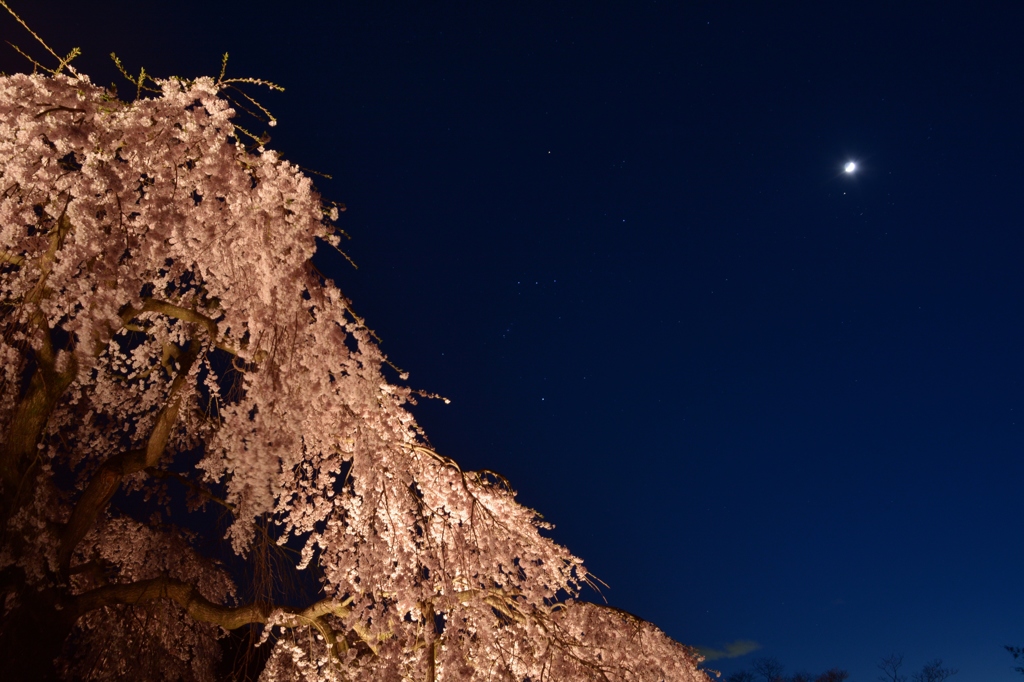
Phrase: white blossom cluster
(158, 271)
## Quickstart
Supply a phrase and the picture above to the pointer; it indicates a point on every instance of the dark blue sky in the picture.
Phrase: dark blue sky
(763, 399)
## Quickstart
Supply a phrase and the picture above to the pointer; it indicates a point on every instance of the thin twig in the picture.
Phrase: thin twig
(34, 35)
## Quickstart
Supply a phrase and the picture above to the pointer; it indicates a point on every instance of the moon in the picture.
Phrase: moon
(850, 167)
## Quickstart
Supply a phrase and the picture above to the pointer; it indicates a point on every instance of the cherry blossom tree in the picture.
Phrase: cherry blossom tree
(166, 337)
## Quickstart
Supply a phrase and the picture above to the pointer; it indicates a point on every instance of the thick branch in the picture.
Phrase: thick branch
(152, 305)
(108, 479)
(45, 388)
(170, 310)
(46, 385)
(162, 429)
(94, 500)
(12, 258)
(202, 609)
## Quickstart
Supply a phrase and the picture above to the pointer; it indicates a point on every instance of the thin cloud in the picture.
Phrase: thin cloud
(741, 647)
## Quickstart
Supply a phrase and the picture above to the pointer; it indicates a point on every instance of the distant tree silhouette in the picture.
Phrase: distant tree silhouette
(890, 667)
(1018, 652)
(741, 676)
(769, 669)
(934, 672)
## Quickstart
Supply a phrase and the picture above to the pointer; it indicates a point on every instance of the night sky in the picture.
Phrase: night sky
(764, 399)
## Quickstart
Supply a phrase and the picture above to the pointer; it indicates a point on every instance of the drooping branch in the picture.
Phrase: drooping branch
(202, 609)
